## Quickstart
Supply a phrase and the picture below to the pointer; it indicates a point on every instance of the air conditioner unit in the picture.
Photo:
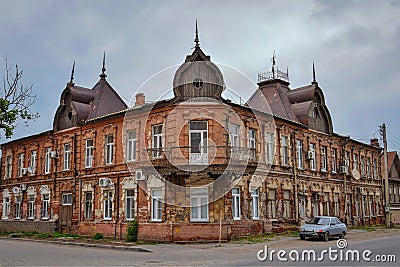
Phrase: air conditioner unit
(139, 175)
(310, 154)
(103, 182)
(31, 169)
(343, 169)
(53, 154)
(15, 190)
(24, 171)
(22, 187)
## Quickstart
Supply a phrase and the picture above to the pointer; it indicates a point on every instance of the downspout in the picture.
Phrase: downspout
(296, 199)
(117, 207)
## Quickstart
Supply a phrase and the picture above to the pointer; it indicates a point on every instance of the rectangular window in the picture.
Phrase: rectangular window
(20, 164)
(18, 207)
(337, 205)
(89, 153)
(47, 160)
(365, 204)
(287, 210)
(254, 204)
(347, 161)
(156, 205)
(45, 206)
(67, 156)
(302, 206)
(107, 205)
(355, 161)
(129, 205)
(198, 134)
(349, 205)
(157, 141)
(199, 204)
(324, 161)
(371, 212)
(109, 155)
(88, 205)
(269, 147)
(33, 162)
(284, 150)
(327, 204)
(31, 207)
(299, 151)
(236, 203)
(272, 203)
(234, 135)
(8, 167)
(315, 204)
(369, 167)
(252, 144)
(334, 160)
(131, 145)
(362, 166)
(312, 157)
(375, 169)
(67, 199)
(6, 207)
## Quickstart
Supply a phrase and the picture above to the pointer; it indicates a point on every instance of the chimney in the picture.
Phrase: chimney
(140, 99)
(375, 142)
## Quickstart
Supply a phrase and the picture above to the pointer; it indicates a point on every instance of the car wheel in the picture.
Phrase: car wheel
(302, 237)
(326, 236)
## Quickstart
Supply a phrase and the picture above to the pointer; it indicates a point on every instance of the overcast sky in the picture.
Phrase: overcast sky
(355, 46)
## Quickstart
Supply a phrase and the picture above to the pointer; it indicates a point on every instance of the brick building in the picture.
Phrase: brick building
(192, 167)
(394, 186)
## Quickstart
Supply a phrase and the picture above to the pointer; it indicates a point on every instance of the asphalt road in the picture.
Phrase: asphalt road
(17, 253)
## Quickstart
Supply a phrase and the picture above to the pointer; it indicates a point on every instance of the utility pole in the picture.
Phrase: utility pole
(385, 175)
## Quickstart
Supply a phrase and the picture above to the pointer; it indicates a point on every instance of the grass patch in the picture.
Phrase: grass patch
(98, 236)
(264, 238)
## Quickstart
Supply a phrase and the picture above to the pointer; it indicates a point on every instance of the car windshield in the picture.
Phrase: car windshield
(319, 221)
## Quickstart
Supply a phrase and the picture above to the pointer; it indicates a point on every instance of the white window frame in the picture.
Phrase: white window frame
(33, 161)
(313, 164)
(302, 206)
(284, 150)
(89, 153)
(362, 161)
(18, 200)
(156, 140)
(355, 161)
(45, 206)
(334, 160)
(368, 167)
(108, 205)
(67, 157)
(129, 205)
(131, 145)
(198, 154)
(324, 161)
(156, 205)
(47, 161)
(299, 151)
(269, 147)
(88, 213)
(66, 199)
(236, 213)
(109, 149)
(234, 135)
(375, 162)
(255, 203)
(287, 208)
(6, 207)
(199, 204)
(8, 172)
(20, 164)
(272, 204)
(31, 206)
(252, 143)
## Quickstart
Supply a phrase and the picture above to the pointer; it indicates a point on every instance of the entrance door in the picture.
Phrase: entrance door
(198, 134)
(66, 210)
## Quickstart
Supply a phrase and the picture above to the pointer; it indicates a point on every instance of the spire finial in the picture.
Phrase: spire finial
(71, 81)
(273, 65)
(103, 70)
(313, 73)
(287, 72)
(196, 40)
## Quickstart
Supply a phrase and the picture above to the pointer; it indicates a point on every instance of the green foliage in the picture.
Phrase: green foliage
(98, 236)
(132, 230)
(43, 235)
(58, 235)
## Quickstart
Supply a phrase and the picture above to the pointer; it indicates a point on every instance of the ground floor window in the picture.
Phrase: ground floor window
(156, 205)
(88, 205)
(129, 205)
(254, 204)
(326, 204)
(6, 207)
(45, 206)
(287, 209)
(236, 203)
(18, 207)
(272, 203)
(107, 206)
(337, 205)
(349, 205)
(302, 206)
(199, 204)
(31, 207)
(315, 204)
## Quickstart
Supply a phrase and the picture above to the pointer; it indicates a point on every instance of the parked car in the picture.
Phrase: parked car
(323, 227)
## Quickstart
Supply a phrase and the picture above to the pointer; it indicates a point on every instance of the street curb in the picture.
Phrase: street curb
(67, 243)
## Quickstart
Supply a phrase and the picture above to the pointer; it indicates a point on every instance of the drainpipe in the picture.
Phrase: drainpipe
(117, 207)
(296, 199)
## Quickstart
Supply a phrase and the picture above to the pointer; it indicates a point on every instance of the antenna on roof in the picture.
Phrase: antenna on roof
(196, 40)
(71, 81)
(103, 70)
(313, 73)
(287, 72)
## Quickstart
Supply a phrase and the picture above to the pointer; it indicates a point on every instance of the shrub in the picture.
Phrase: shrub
(97, 236)
(132, 230)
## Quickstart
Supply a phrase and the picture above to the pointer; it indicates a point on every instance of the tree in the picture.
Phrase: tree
(15, 101)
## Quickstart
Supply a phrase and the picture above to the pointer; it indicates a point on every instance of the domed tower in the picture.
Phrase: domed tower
(198, 77)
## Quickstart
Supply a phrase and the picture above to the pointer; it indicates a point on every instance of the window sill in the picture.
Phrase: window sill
(107, 219)
(200, 221)
(236, 219)
(156, 221)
